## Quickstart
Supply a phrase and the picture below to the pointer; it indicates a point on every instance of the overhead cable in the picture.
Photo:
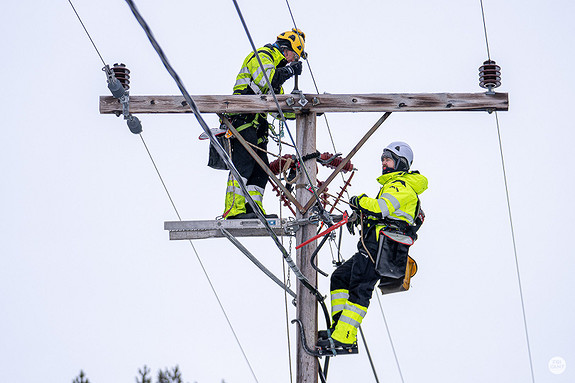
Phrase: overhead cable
(368, 355)
(312, 187)
(222, 152)
(316, 89)
(90, 37)
(485, 29)
(178, 214)
(510, 215)
(390, 339)
(515, 249)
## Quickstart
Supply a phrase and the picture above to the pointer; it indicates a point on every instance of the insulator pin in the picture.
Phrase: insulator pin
(134, 124)
(489, 75)
(122, 74)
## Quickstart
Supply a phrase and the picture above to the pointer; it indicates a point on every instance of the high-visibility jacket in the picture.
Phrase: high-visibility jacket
(397, 199)
(250, 79)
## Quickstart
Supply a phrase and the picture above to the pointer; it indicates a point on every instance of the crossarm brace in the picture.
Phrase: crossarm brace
(256, 262)
(260, 162)
(348, 158)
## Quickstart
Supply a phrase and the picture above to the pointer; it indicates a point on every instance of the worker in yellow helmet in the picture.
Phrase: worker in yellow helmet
(280, 62)
(389, 225)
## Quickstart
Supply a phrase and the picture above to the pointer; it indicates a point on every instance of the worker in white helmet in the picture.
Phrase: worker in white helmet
(389, 225)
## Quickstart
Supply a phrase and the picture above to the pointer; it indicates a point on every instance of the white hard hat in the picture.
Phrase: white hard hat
(402, 151)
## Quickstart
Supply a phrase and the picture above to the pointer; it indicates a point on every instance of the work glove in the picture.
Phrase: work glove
(295, 67)
(352, 222)
(354, 202)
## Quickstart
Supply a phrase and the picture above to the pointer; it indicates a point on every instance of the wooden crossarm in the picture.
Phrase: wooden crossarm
(318, 103)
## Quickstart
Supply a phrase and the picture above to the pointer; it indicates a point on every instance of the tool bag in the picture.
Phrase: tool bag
(392, 254)
(393, 262)
(215, 161)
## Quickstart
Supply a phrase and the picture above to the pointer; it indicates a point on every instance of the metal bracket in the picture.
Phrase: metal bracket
(294, 225)
(291, 101)
(125, 101)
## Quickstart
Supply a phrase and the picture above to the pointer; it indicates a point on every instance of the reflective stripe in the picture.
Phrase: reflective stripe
(339, 294)
(336, 308)
(258, 72)
(403, 214)
(242, 81)
(257, 197)
(383, 208)
(356, 309)
(338, 300)
(255, 88)
(233, 186)
(255, 188)
(401, 238)
(262, 83)
(394, 202)
(349, 320)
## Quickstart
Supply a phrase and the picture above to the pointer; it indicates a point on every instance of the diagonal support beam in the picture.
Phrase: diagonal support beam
(348, 158)
(256, 262)
(262, 164)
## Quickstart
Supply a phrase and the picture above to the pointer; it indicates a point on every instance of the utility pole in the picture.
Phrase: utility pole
(307, 312)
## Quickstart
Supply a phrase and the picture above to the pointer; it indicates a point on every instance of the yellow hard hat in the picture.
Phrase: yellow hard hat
(296, 39)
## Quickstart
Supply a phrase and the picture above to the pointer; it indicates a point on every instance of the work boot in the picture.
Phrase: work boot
(326, 343)
(251, 215)
(323, 334)
(271, 215)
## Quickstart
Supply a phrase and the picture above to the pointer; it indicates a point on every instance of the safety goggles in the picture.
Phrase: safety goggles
(388, 154)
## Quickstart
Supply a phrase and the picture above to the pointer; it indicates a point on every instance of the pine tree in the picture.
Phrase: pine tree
(80, 378)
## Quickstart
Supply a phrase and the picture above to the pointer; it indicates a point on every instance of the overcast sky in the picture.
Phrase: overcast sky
(90, 280)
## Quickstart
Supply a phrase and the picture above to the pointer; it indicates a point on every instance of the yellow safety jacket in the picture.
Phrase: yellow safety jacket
(250, 79)
(397, 199)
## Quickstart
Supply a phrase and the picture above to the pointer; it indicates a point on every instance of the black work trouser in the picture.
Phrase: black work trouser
(358, 276)
(243, 160)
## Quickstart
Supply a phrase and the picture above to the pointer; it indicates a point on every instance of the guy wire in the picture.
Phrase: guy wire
(514, 248)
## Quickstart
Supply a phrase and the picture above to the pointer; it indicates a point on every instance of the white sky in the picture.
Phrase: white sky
(89, 279)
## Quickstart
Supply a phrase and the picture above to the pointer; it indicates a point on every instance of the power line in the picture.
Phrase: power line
(90, 37)
(390, 340)
(368, 354)
(312, 77)
(177, 212)
(514, 248)
(200, 262)
(485, 30)
(509, 213)
(176, 77)
(223, 154)
(161, 179)
(256, 55)
(316, 90)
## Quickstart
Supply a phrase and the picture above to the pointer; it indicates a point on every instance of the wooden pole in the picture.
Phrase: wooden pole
(307, 367)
